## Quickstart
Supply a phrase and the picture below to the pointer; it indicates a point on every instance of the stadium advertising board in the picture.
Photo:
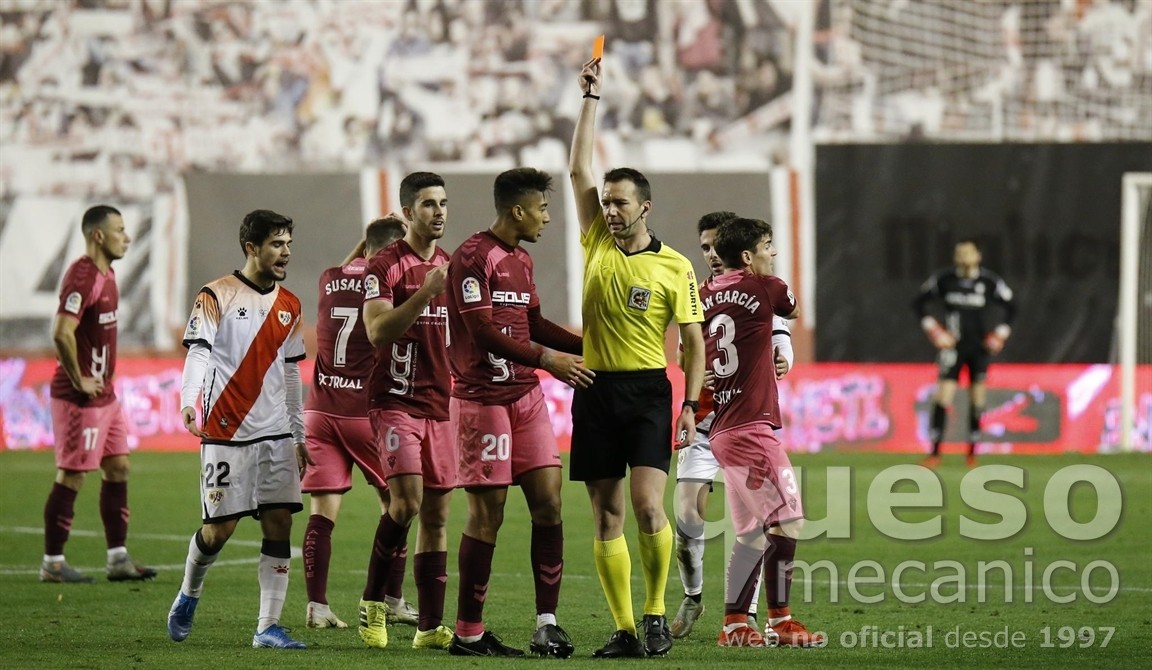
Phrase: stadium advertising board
(867, 407)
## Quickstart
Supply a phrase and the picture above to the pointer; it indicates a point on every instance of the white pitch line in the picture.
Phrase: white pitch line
(27, 530)
(297, 553)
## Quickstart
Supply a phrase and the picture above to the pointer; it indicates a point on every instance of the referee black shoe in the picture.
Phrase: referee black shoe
(657, 636)
(487, 645)
(551, 640)
(622, 644)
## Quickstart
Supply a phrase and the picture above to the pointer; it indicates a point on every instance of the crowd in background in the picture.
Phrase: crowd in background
(115, 98)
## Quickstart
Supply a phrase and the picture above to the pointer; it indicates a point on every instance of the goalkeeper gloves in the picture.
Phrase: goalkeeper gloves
(994, 341)
(940, 338)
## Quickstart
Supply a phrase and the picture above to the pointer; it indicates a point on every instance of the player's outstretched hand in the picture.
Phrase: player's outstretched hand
(189, 416)
(303, 458)
(994, 341)
(685, 428)
(590, 77)
(567, 368)
(781, 362)
(941, 339)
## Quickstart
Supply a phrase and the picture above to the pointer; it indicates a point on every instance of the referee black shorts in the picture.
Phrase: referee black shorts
(623, 420)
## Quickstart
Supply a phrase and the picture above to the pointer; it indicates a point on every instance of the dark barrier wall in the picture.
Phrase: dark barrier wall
(1046, 216)
(326, 209)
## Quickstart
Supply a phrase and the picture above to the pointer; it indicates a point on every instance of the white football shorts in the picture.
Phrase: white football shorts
(238, 481)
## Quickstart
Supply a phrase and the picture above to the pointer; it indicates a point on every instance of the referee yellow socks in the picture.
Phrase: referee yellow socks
(656, 558)
(614, 566)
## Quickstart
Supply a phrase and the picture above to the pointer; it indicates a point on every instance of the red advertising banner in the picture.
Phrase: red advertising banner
(877, 407)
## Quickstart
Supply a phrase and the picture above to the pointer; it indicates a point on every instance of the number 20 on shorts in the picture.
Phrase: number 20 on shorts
(495, 447)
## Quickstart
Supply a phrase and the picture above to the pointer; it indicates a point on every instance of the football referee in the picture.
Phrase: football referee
(634, 286)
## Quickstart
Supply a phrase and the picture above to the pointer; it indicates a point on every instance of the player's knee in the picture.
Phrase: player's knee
(215, 535)
(687, 511)
(403, 511)
(650, 517)
(70, 479)
(756, 540)
(791, 528)
(115, 469)
(547, 512)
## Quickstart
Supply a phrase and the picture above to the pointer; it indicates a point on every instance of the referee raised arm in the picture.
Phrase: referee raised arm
(634, 286)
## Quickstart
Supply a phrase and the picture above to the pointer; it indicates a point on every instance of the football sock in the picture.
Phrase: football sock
(317, 557)
(390, 538)
(275, 564)
(690, 558)
(200, 558)
(475, 563)
(655, 559)
(547, 565)
(756, 593)
(778, 574)
(58, 515)
(974, 415)
(394, 585)
(936, 427)
(614, 567)
(431, 572)
(114, 512)
(740, 579)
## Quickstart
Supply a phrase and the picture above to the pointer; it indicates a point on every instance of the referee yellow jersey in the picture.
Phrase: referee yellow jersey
(629, 300)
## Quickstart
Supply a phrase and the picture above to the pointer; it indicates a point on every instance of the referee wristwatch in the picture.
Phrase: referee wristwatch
(693, 405)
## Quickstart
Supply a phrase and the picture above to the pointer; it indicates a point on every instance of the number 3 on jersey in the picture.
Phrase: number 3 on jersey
(496, 447)
(727, 362)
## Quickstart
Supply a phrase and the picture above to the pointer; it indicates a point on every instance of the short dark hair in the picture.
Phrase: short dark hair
(511, 185)
(712, 220)
(260, 224)
(643, 188)
(735, 237)
(95, 217)
(411, 186)
(382, 232)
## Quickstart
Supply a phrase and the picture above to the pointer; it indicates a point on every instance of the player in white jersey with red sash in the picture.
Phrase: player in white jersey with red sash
(244, 342)
(338, 434)
(763, 497)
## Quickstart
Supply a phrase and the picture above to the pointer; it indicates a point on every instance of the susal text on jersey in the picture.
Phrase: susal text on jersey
(511, 298)
(343, 284)
(735, 297)
(437, 312)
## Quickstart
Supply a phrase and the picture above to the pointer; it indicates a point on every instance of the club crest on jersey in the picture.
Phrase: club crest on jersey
(285, 317)
(371, 287)
(639, 298)
(471, 290)
(72, 302)
(214, 497)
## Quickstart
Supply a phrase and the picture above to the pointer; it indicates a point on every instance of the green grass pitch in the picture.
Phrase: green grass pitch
(108, 625)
